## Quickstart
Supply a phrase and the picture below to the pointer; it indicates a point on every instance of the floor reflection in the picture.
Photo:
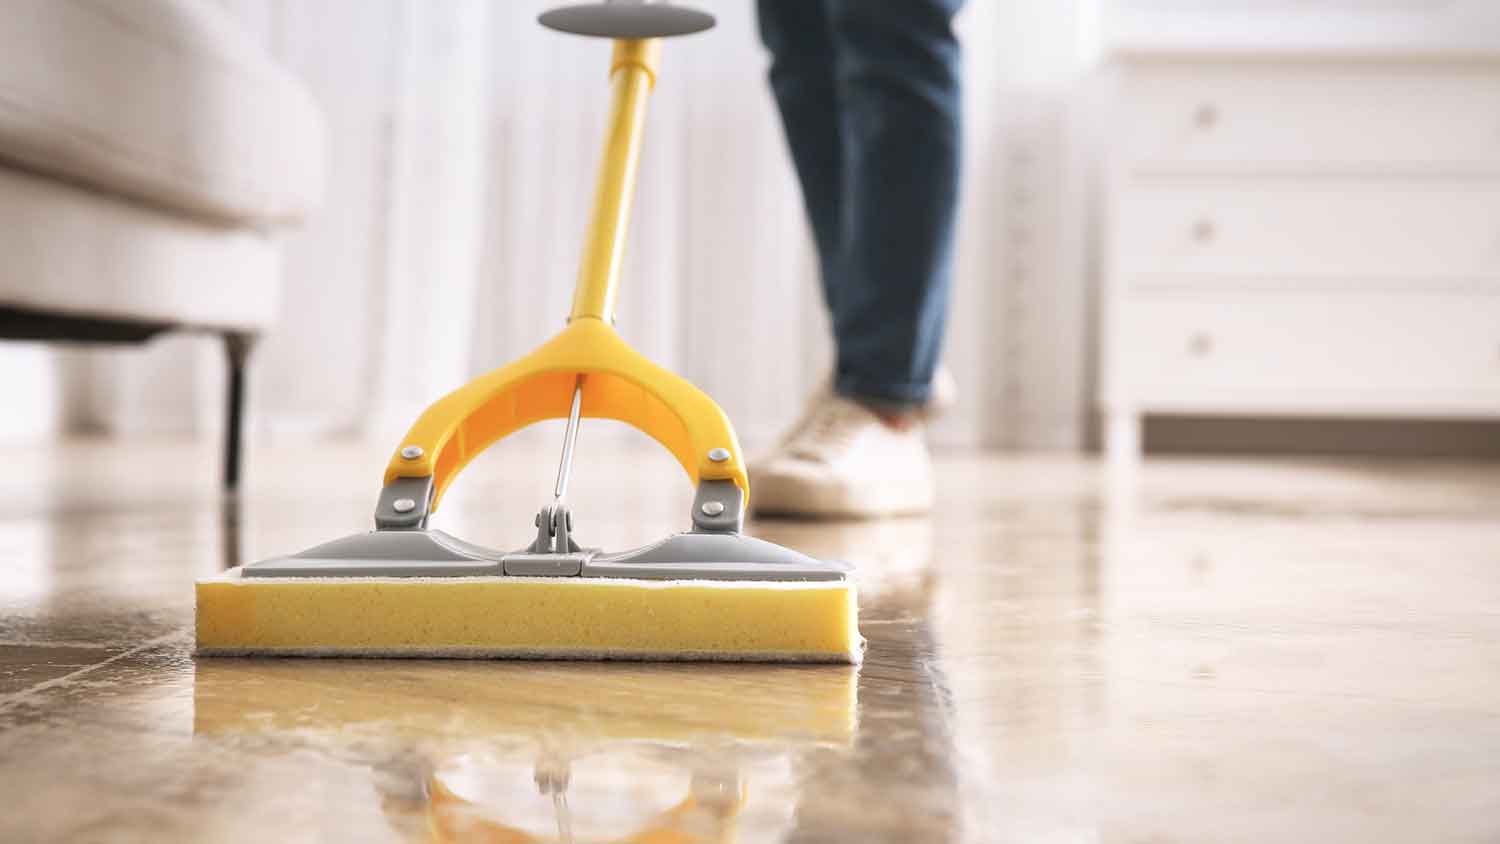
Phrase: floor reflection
(899, 781)
(231, 546)
(546, 752)
(475, 800)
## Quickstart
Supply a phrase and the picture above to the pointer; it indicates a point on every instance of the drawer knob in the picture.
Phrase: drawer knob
(1204, 230)
(1206, 116)
(1200, 345)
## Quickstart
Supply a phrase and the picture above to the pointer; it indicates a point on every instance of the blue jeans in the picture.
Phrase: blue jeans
(869, 97)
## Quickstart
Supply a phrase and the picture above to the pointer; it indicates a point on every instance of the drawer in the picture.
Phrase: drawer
(1231, 233)
(1311, 116)
(1323, 353)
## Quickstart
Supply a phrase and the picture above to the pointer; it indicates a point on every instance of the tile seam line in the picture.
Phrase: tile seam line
(17, 698)
(76, 644)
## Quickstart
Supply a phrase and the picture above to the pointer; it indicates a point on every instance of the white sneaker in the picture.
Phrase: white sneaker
(840, 460)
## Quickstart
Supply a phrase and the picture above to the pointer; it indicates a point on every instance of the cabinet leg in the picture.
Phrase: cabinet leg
(1122, 438)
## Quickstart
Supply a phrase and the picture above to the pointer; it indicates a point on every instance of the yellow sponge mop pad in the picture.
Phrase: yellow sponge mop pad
(526, 617)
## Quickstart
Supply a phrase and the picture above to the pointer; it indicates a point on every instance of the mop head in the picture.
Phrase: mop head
(529, 618)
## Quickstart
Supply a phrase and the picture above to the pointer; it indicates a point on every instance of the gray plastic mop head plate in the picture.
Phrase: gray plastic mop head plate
(433, 553)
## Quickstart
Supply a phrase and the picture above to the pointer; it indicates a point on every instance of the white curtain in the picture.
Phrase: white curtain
(464, 139)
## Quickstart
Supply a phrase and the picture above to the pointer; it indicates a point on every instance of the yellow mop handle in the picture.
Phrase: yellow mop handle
(622, 384)
(632, 73)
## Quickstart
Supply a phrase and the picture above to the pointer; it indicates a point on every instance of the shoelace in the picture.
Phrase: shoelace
(828, 431)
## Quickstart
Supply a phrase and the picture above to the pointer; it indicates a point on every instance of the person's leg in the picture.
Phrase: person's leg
(897, 82)
(802, 55)
(868, 90)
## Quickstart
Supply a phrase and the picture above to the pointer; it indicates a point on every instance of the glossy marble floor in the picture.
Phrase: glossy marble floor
(1239, 651)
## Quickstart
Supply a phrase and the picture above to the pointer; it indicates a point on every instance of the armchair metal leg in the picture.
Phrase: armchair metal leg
(237, 349)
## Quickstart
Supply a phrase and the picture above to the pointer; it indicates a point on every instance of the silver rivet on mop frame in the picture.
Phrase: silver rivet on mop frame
(403, 505)
(713, 508)
(718, 455)
(411, 452)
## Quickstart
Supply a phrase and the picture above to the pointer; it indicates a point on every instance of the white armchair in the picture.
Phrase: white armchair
(150, 153)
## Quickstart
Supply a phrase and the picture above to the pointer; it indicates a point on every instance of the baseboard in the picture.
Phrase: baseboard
(1404, 438)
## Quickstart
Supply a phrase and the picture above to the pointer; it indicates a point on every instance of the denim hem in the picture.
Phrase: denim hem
(895, 397)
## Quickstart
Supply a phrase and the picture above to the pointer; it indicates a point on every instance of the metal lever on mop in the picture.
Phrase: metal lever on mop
(555, 523)
(570, 436)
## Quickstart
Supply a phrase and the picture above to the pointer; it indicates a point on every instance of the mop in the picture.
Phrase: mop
(409, 590)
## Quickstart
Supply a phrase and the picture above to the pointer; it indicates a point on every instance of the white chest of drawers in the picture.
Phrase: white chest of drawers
(1299, 235)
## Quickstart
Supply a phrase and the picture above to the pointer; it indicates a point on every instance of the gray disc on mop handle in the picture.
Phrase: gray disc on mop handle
(627, 19)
